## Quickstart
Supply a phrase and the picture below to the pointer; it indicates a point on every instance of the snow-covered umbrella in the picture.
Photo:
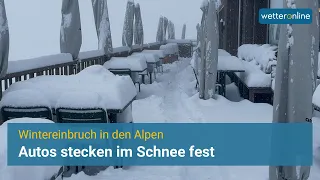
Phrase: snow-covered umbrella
(183, 36)
(138, 26)
(294, 82)
(315, 43)
(4, 40)
(165, 27)
(70, 31)
(127, 35)
(211, 57)
(198, 33)
(204, 7)
(173, 32)
(159, 37)
(170, 30)
(102, 22)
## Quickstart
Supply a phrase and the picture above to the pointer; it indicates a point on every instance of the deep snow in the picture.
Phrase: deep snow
(22, 172)
(116, 91)
(172, 98)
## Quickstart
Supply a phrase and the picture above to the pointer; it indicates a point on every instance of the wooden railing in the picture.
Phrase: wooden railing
(70, 68)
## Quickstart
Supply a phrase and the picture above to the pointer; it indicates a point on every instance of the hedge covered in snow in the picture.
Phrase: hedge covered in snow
(263, 56)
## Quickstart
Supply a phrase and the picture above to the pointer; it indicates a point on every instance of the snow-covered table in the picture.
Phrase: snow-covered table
(134, 63)
(152, 60)
(171, 51)
(227, 64)
(230, 64)
(222, 52)
(254, 82)
(117, 92)
(160, 53)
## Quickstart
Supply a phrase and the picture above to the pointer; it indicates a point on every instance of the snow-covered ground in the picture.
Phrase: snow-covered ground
(34, 25)
(172, 98)
(22, 172)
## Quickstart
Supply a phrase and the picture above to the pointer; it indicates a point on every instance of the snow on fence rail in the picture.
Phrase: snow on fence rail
(26, 64)
(61, 64)
(90, 54)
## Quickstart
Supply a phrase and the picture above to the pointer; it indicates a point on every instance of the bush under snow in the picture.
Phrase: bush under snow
(263, 56)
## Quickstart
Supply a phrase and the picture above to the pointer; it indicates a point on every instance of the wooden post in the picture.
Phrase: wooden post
(251, 96)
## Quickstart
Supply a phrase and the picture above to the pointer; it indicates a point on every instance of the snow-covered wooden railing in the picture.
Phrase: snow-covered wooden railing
(62, 64)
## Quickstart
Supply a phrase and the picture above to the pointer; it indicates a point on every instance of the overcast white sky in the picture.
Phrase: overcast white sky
(34, 25)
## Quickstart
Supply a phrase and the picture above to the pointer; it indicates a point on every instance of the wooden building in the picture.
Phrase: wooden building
(239, 24)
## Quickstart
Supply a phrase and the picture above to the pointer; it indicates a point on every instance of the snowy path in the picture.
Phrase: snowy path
(171, 99)
(166, 98)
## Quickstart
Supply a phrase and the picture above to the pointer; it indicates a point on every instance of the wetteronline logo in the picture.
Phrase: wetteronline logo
(285, 16)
